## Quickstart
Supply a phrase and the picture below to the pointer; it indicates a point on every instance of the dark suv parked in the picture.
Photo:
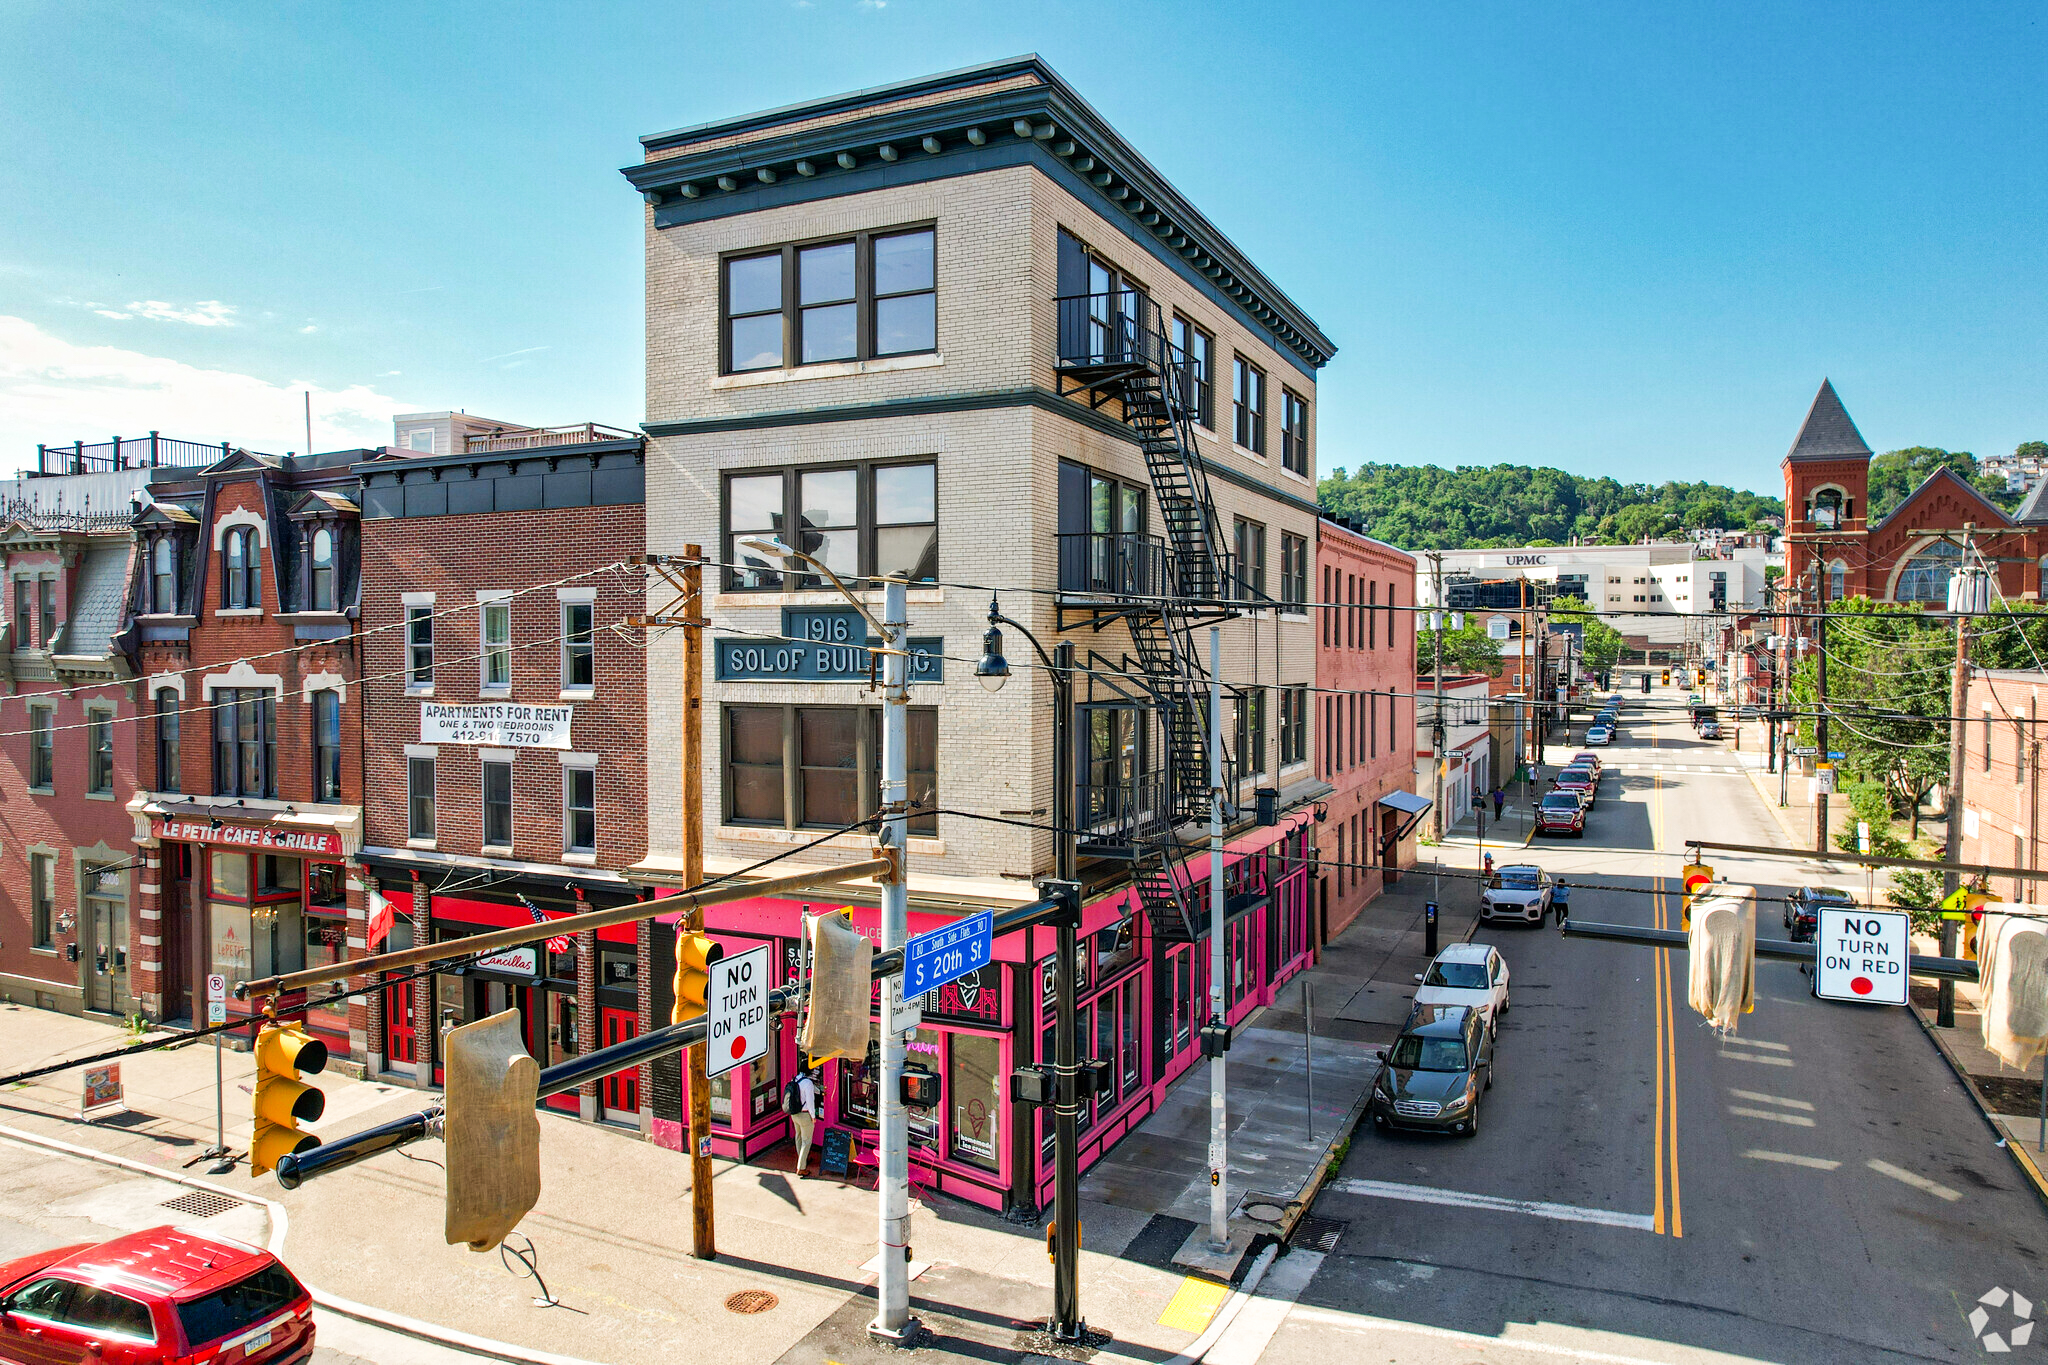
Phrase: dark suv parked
(1433, 1075)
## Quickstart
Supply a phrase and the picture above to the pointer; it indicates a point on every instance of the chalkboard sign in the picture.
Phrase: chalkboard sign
(838, 1157)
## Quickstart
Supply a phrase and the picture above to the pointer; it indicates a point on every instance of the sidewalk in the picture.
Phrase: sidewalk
(2010, 1099)
(611, 1232)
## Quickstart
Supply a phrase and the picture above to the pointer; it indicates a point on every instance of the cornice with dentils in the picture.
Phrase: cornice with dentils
(1049, 115)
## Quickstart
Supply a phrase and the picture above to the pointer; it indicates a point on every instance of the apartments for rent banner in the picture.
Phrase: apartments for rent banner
(496, 723)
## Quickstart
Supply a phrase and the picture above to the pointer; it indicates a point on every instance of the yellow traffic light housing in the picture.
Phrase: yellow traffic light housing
(694, 955)
(281, 1100)
(1698, 880)
(491, 1131)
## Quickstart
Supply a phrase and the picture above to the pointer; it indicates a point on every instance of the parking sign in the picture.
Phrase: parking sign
(216, 999)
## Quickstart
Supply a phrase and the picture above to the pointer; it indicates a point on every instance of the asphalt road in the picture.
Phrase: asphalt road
(1817, 1188)
(50, 1200)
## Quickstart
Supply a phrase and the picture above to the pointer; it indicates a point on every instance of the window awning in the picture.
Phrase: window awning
(1408, 803)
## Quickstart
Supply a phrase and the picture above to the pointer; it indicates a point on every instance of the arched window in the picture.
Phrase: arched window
(164, 577)
(1827, 508)
(1838, 575)
(244, 585)
(1925, 577)
(323, 570)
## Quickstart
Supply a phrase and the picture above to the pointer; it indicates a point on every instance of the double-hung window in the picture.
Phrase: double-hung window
(327, 745)
(42, 757)
(167, 779)
(579, 647)
(164, 576)
(1194, 352)
(497, 794)
(322, 596)
(820, 767)
(1293, 432)
(1293, 574)
(242, 583)
(1249, 387)
(244, 742)
(42, 891)
(1251, 560)
(99, 752)
(494, 628)
(579, 808)
(1294, 725)
(1251, 732)
(860, 521)
(419, 796)
(419, 646)
(862, 297)
(24, 613)
(46, 600)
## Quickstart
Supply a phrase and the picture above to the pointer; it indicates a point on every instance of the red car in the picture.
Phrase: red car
(160, 1297)
(1561, 812)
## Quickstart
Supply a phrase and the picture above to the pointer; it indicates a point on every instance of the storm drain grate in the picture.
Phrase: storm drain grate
(1318, 1234)
(751, 1301)
(200, 1204)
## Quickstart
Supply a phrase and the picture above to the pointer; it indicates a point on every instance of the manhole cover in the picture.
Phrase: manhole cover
(1263, 1208)
(200, 1204)
(751, 1301)
(1318, 1234)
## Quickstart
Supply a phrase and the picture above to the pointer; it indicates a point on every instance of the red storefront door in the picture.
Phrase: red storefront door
(401, 1047)
(621, 1090)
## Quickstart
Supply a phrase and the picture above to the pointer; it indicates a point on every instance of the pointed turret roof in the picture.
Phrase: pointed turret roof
(1828, 433)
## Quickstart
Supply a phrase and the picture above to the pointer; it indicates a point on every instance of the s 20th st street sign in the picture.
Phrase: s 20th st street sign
(821, 645)
(940, 955)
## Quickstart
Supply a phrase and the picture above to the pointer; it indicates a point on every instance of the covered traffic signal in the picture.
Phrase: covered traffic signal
(492, 1132)
(694, 955)
(281, 1100)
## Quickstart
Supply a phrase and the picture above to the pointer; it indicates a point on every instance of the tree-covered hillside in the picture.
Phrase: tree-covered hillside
(1424, 507)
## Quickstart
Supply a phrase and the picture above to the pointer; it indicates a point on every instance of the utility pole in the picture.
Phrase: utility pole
(1219, 1128)
(1820, 723)
(703, 1227)
(1436, 730)
(1066, 1324)
(892, 1283)
(1966, 593)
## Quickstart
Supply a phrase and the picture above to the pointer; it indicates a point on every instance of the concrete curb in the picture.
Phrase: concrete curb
(2027, 1168)
(1218, 1325)
(280, 1222)
(1770, 801)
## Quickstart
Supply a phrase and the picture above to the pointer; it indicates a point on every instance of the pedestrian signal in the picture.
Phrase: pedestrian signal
(281, 1100)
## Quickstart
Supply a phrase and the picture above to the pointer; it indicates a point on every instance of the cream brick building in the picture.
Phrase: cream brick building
(986, 170)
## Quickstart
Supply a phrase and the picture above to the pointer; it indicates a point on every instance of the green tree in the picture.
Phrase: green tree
(1467, 649)
(1602, 643)
(1888, 697)
(1896, 473)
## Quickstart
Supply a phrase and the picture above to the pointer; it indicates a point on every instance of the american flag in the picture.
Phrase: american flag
(560, 943)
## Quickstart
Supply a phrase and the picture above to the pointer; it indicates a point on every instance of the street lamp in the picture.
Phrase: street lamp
(892, 1282)
(994, 670)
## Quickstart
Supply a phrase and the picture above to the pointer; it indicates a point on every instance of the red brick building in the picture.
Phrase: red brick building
(505, 752)
(248, 817)
(2002, 822)
(67, 748)
(1365, 675)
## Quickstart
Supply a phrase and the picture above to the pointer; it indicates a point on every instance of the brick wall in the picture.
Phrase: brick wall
(2002, 775)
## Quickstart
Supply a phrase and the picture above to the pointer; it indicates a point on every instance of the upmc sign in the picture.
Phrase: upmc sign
(268, 838)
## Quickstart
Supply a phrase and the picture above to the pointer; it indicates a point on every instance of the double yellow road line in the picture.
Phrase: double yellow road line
(1670, 1216)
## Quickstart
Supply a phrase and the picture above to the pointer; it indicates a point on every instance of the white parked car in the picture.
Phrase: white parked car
(1599, 734)
(1517, 892)
(1472, 974)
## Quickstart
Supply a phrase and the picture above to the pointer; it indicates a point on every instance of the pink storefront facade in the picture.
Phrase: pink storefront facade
(1139, 1005)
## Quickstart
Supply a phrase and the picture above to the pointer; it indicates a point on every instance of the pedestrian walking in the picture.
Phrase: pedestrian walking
(1500, 801)
(800, 1102)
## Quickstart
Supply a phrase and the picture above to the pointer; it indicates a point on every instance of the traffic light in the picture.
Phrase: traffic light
(1698, 879)
(492, 1133)
(694, 955)
(1667, 677)
(281, 1100)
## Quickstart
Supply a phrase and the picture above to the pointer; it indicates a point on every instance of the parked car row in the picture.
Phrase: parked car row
(1440, 1066)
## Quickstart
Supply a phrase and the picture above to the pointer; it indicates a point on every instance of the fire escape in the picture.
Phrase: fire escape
(1114, 351)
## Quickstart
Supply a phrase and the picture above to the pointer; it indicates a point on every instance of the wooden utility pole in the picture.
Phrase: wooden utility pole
(1963, 602)
(703, 1233)
(1820, 723)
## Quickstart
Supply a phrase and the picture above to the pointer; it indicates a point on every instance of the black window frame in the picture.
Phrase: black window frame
(791, 311)
(1251, 731)
(495, 807)
(24, 613)
(322, 575)
(1293, 432)
(241, 589)
(1198, 373)
(867, 524)
(419, 644)
(1293, 574)
(163, 581)
(1294, 726)
(327, 744)
(232, 752)
(1248, 540)
(420, 798)
(168, 726)
(99, 750)
(1248, 405)
(42, 749)
(46, 610)
(922, 780)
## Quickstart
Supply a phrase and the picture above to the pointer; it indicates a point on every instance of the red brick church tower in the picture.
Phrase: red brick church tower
(1827, 486)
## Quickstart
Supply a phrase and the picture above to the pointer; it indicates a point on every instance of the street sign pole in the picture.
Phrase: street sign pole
(892, 1283)
(1219, 1126)
(217, 1013)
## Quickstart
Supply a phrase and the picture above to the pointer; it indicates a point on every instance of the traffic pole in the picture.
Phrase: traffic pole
(1219, 1127)
(892, 1283)
(703, 1224)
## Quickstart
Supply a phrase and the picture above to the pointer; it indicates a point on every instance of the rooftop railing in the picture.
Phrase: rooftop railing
(132, 452)
(534, 438)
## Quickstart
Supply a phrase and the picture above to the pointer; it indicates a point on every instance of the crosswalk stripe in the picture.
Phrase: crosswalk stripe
(1425, 1194)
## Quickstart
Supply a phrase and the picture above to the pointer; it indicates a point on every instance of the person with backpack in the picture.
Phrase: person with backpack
(800, 1102)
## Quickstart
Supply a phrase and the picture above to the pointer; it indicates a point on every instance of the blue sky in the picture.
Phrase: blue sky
(1620, 239)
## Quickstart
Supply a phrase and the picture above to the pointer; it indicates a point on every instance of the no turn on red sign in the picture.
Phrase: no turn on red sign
(736, 1012)
(1861, 955)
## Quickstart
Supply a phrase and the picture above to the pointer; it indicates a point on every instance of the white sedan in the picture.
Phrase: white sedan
(1472, 974)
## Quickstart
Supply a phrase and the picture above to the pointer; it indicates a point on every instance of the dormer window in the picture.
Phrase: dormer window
(323, 570)
(163, 577)
(243, 585)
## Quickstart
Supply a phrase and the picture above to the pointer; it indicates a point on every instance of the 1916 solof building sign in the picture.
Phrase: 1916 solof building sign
(829, 645)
